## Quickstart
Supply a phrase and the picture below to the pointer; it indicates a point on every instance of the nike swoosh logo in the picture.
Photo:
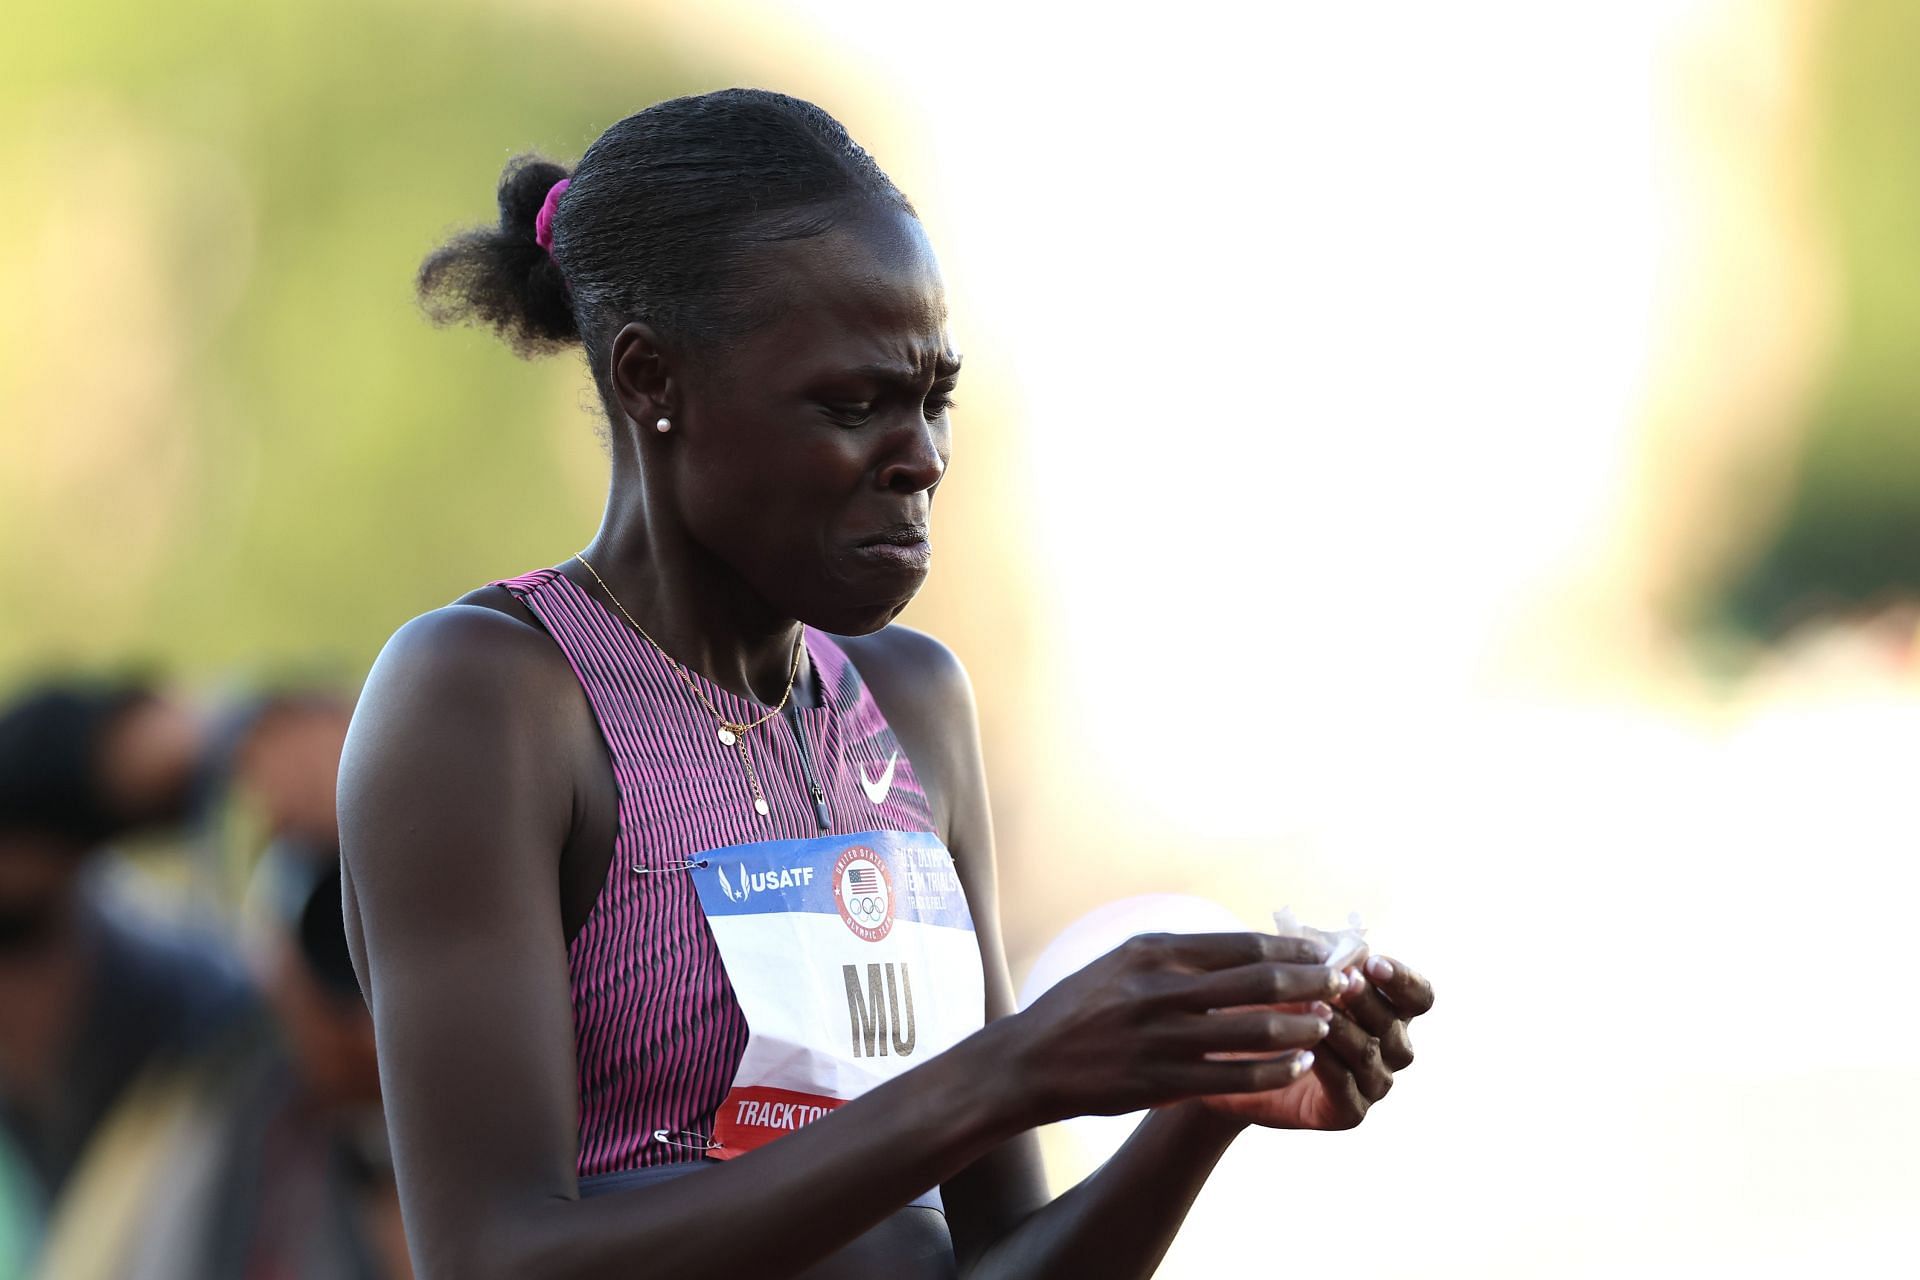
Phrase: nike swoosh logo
(877, 790)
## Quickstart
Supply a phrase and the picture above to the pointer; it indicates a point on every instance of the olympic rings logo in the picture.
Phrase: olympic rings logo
(863, 892)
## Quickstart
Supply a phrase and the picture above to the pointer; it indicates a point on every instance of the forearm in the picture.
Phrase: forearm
(775, 1211)
(1119, 1222)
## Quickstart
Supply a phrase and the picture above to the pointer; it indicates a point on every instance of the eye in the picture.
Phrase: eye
(853, 414)
(940, 398)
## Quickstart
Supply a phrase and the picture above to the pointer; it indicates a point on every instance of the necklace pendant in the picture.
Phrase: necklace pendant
(760, 805)
(727, 736)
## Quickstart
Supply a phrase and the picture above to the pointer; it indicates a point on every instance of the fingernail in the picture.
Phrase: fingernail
(1325, 1027)
(1355, 980)
(1381, 968)
(1340, 981)
(1303, 1063)
(1321, 1009)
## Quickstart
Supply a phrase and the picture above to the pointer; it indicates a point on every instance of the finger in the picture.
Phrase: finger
(1348, 1043)
(1203, 952)
(1410, 994)
(1250, 1031)
(1366, 1006)
(1349, 1104)
(1396, 1048)
(1252, 984)
(1203, 1078)
(1369, 1008)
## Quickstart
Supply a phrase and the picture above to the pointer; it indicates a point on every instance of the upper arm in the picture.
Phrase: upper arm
(924, 691)
(454, 803)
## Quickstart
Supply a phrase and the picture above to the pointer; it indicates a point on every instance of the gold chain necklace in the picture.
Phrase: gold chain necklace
(732, 733)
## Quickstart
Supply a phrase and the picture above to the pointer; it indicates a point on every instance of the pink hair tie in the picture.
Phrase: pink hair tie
(543, 221)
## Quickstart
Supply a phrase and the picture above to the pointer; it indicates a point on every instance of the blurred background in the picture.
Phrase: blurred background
(1455, 463)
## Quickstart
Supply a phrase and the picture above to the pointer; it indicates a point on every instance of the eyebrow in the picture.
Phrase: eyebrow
(945, 366)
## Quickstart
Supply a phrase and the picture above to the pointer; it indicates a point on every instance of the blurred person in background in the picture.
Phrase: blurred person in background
(283, 757)
(94, 994)
(653, 855)
(164, 1120)
(292, 1178)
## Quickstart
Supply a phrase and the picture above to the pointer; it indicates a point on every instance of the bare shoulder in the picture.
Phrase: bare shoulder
(459, 692)
(911, 673)
(484, 639)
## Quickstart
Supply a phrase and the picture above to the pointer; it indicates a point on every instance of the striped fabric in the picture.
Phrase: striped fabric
(657, 1031)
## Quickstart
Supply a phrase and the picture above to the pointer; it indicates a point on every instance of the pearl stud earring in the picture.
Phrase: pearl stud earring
(665, 424)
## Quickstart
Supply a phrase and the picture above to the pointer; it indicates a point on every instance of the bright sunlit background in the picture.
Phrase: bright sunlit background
(1452, 462)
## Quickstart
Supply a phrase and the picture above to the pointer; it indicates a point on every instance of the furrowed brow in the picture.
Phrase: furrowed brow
(946, 367)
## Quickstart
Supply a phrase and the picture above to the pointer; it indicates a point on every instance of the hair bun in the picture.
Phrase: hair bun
(501, 276)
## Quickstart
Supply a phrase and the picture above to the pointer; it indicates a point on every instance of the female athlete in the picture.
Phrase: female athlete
(669, 870)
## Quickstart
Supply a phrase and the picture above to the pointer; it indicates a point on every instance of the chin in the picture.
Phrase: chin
(846, 615)
(869, 624)
(853, 621)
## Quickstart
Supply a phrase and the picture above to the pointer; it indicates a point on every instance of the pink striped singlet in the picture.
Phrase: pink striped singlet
(657, 1030)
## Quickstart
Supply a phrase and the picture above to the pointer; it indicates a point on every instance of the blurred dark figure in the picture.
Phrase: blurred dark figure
(175, 1120)
(91, 994)
(299, 1183)
(283, 752)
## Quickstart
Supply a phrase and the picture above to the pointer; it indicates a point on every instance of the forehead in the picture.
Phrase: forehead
(867, 290)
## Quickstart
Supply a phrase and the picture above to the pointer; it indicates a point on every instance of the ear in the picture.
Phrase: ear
(638, 367)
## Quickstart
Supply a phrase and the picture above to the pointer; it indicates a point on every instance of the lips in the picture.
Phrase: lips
(901, 535)
(903, 546)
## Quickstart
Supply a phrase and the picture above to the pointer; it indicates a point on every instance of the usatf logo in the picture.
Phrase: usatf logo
(863, 890)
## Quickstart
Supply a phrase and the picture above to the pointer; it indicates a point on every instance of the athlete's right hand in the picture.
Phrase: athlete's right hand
(1134, 1029)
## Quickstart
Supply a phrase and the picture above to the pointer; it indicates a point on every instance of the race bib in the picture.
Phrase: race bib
(853, 958)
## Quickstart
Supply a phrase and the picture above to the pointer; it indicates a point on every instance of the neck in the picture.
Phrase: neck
(694, 607)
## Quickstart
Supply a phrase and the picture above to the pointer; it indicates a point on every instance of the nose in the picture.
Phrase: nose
(918, 459)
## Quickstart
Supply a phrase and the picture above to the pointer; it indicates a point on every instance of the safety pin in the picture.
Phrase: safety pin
(685, 864)
(667, 1137)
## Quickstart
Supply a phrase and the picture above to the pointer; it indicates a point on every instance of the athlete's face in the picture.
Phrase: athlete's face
(805, 455)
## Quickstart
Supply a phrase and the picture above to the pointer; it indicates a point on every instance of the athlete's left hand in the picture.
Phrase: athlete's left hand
(1353, 1066)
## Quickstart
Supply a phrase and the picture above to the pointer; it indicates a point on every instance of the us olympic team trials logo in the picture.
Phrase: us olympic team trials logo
(863, 890)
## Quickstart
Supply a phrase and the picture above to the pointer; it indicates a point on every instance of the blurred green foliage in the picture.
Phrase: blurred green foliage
(1851, 534)
(274, 460)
